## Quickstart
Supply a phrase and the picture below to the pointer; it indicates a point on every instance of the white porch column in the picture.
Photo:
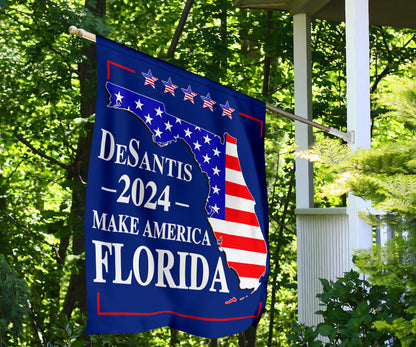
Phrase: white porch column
(304, 170)
(303, 106)
(327, 237)
(358, 105)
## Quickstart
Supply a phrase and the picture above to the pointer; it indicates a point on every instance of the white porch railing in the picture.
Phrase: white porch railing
(323, 252)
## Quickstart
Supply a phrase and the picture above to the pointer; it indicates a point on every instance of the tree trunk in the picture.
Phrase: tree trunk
(224, 38)
(179, 28)
(174, 337)
(276, 257)
(267, 58)
(77, 291)
(248, 337)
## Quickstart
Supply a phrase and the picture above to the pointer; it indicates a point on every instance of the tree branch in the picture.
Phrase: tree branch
(35, 235)
(42, 154)
(281, 225)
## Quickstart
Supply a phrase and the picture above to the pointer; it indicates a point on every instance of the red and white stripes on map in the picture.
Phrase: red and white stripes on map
(239, 235)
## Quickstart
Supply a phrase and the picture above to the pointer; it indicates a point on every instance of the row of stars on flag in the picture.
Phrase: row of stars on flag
(207, 148)
(188, 94)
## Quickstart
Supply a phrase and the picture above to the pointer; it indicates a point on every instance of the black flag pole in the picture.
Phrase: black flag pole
(348, 137)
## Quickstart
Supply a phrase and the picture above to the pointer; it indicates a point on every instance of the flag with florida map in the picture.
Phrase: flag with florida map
(176, 220)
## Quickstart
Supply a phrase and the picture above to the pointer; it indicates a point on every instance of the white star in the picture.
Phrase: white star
(207, 139)
(216, 189)
(168, 126)
(158, 132)
(119, 97)
(139, 104)
(215, 208)
(216, 171)
(206, 158)
(188, 132)
(149, 119)
(216, 152)
(178, 120)
(158, 112)
(198, 128)
(197, 145)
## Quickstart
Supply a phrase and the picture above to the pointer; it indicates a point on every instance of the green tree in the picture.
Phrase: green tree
(40, 116)
(388, 177)
(45, 134)
(384, 312)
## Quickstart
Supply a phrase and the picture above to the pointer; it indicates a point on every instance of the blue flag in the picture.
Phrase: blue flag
(176, 220)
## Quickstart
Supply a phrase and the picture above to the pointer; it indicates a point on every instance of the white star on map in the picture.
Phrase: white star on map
(197, 145)
(207, 139)
(215, 208)
(139, 104)
(216, 152)
(216, 189)
(149, 119)
(216, 171)
(119, 97)
(168, 126)
(188, 132)
(159, 112)
(206, 158)
(158, 132)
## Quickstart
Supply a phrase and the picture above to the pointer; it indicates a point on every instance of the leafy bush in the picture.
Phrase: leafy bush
(351, 307)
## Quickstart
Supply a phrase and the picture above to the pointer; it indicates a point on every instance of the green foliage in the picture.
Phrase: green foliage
(386, 173)
(328, 156)
(303, 335)
(42, 134)
(14, 295)
(41, 125)
(351, 308)
(393, 267)
(401, 102)
(383, 312)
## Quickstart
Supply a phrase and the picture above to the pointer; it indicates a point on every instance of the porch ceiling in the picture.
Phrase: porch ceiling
(394, 13)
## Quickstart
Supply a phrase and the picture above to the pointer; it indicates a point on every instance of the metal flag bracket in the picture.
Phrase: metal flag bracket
(82, 33)
(348, 137)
